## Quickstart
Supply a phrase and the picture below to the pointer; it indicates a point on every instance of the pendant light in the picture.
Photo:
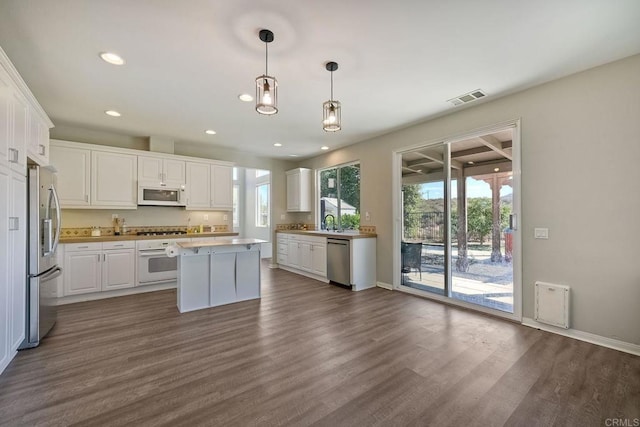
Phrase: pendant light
(266, 86)
(331, 110)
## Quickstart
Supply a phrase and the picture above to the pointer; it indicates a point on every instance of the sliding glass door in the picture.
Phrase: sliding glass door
(457, 241)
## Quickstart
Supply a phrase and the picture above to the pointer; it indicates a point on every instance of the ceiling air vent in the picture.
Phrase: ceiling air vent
(467, 97)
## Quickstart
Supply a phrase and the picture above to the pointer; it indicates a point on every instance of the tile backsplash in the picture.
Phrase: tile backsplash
(131, 231)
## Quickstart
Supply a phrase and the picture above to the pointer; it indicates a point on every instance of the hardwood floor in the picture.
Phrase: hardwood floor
(310, 353)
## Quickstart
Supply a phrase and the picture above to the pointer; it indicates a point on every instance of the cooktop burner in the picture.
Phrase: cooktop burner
(159, 233)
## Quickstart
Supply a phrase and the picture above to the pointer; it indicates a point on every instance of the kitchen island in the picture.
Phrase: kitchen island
(217, 272)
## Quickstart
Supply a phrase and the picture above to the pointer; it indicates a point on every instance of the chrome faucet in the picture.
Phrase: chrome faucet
(325, 221)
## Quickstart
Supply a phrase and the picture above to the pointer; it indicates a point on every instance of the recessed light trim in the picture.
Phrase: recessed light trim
(324, 147)
(496, 169)
(277, 144)
(245, 97)
(293, 155)
(210, 132)
(112, 113)
(112, 58)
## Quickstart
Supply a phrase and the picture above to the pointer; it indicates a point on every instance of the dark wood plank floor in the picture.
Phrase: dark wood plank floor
(310, 353)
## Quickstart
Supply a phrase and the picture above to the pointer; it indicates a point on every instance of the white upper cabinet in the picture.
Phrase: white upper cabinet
(222, 187)
(5, 116)
(18, 141)
(198, 185)
(209, 186)
(166, 172)
(38, 144)
(74, 175)
(299, 190)
(113, 180)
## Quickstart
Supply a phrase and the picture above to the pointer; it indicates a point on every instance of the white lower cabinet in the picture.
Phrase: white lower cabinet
(304, 253)
(96, 267)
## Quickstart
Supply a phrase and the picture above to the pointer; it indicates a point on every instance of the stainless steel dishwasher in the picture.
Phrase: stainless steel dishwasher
(339, 261)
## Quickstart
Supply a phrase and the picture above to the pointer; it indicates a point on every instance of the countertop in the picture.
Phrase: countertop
(225, 242)
(349, 235)
(126, 237)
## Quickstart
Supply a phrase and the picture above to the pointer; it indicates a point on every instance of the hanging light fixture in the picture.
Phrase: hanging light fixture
(266, 86)
(331, 116)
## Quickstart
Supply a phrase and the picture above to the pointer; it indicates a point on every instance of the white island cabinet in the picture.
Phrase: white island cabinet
(217, 272)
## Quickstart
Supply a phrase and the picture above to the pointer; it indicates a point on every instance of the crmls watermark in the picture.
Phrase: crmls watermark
(622, 422)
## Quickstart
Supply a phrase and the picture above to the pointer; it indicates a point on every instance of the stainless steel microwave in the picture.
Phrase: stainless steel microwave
(157, 195)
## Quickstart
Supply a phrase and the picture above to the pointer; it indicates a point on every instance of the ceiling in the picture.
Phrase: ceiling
(399, 62)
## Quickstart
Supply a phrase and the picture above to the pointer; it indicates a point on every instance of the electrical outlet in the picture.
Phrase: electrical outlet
(540, 233)
(205, 217)
(367, 217)
(114, 216)
(283, 217)
(225, 217)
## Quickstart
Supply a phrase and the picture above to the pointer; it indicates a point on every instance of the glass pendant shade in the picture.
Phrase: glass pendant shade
(266, 95)
(331, 116)
(266, 86)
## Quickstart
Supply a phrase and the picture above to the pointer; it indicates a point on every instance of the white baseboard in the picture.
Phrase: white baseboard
(117, 293)
(273, 265)
(384, 285)
(623, 346)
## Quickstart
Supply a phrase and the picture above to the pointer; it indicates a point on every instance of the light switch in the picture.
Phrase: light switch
(541, 233)
(205, 217)
(283, 217)
(225, 217)
(367, 217)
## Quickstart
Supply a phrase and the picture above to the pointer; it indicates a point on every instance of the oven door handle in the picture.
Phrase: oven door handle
(153, 252)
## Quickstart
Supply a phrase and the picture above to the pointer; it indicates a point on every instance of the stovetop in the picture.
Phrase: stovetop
(159, 233)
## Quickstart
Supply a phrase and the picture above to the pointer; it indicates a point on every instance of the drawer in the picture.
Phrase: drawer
(283, 248)
(295, 237)
(130, 244)
(316, 240)
(78, 247)
(283, 259)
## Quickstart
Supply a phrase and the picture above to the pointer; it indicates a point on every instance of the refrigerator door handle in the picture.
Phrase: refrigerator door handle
(51, 274)
(56, 240)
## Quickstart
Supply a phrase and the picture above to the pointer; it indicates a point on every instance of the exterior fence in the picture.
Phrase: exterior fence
(424, 226)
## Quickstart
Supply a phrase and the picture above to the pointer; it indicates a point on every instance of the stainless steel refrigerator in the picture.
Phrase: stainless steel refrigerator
(42, 270)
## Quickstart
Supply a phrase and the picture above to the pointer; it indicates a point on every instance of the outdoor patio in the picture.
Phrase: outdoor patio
(486, 283)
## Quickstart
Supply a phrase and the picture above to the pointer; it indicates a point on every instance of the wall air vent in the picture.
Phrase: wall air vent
(467, 97)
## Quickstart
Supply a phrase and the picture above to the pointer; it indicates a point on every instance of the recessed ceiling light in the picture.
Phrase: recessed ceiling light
(277, 144)
(210, 132)
(293, 155)
(470, 162)
(496, 169)
(245, 97)
(324, 147)
(112, 58)
(112, 113)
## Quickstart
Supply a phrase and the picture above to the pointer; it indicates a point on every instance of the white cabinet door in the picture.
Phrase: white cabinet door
(198, 185)
(18, 258)
(4, 264)
(18, 141)
(222, 278)
(294, 254)
(38, 144)
(174, 172)
(74, 175)
(149, 169)
(283, 250)
(82, 272)
(293, 192)
(5, 120)
(305, 255)
(118, 269)
(319, 259)
(247, 275)
(113, 180)
(221, 187)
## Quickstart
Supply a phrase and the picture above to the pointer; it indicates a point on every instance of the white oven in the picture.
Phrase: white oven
(154, 266)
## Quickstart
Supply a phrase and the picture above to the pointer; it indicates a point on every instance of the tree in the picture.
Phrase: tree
(412, 200)
(479, 218)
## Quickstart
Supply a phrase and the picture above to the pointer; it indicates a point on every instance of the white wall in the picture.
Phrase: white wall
(580, 178)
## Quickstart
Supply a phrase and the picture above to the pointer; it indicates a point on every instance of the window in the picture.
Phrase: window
(262, 205)
(340, 197)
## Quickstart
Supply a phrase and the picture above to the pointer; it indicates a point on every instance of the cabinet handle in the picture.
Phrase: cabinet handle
(42, 151)
(86, 198)
(118, 246)
(14, 223)
(98, 255)
(104, 257)
(13, 155)
(83, 247)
